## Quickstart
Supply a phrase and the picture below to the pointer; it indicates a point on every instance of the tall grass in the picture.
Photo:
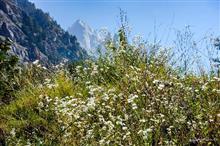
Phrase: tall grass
(125, 97)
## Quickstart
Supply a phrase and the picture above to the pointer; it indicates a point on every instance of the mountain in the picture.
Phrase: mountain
(35, 34)
(91, 40)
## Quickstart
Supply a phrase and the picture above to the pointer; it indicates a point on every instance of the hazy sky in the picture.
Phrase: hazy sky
(143, 15)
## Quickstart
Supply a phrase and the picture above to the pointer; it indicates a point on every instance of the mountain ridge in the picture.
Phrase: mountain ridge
(36, 35)
(90, 39)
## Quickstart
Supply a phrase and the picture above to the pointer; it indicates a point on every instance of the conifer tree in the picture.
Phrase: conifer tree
(8, 71)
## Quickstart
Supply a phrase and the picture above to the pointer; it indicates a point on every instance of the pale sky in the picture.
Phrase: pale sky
(143, 15)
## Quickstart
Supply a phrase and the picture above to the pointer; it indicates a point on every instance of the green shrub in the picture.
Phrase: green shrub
(125, 97)
(8, 71)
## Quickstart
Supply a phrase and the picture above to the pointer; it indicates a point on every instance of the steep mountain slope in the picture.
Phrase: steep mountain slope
(90, 39)
(36, 34)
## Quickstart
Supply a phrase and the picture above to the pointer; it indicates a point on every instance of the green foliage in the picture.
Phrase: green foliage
(125, 97)
(8, 72)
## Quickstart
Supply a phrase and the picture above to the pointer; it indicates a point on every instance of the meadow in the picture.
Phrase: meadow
(125, 97)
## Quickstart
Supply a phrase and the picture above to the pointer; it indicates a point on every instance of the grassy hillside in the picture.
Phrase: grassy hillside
(126, 97)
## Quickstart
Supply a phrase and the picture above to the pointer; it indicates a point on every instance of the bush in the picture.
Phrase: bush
(124, 98)
(8, 71)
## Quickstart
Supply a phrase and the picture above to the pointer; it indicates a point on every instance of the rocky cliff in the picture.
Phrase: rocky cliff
(35, 34)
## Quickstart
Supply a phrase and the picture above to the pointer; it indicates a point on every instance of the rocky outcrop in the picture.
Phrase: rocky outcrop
(35, 34)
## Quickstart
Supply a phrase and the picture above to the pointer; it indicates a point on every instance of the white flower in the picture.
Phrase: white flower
(109, 124)
(126, 117)
(140, 131)
(119, 123)
(156, 81)
(161, 86)
(204, 87)
(146, 84)
(40, 104)
(44, 68)
(102, 141)
(36, 62)
(145, 137)
(142, 120)
(215, 90)
(146, 133)
(95, 70)
(88, 82)
(91, 103)
(124, 128)
(12, 132)
(134, 106)
(105, 97)
(216, 78)
(131, 98)
(47, 80)
(39, 66)
(180, 85)
(149, 130)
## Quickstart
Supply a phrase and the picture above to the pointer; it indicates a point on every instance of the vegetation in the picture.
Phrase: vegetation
(125, 97)
(8, 71)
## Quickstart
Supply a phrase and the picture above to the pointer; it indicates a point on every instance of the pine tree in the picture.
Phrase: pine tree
(8, 71)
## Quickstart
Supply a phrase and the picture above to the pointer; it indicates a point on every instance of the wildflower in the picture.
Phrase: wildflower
(134, 106)
(41, 96)
(48, 99)
(146, 133)
(211, 120)
(142, 120)
(148, 130)
(204, 87)
(128, 133)
(95, 70)
(161, 86)
(105, 97)
(39, 66)
(43, 67)
(119, 123)
(140, 131)
(91, 103)
(40, 104)
(215, 90)
(102, 141)
(156, 81)
(146, 84)
(216, 78)
(47, 80)
(12, 132)
(126, 117)
(180, 85)
(110, 124)
(121, 51)
(196, 90)
(36, 62)
(88, 83)
(28, 143)
(131, 98)
(124, 128)
(170, 130)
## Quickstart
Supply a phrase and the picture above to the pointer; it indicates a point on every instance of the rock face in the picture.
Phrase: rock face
(91, 40)
(35, 34)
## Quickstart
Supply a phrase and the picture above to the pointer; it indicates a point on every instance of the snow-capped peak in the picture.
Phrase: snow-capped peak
(88, 38)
